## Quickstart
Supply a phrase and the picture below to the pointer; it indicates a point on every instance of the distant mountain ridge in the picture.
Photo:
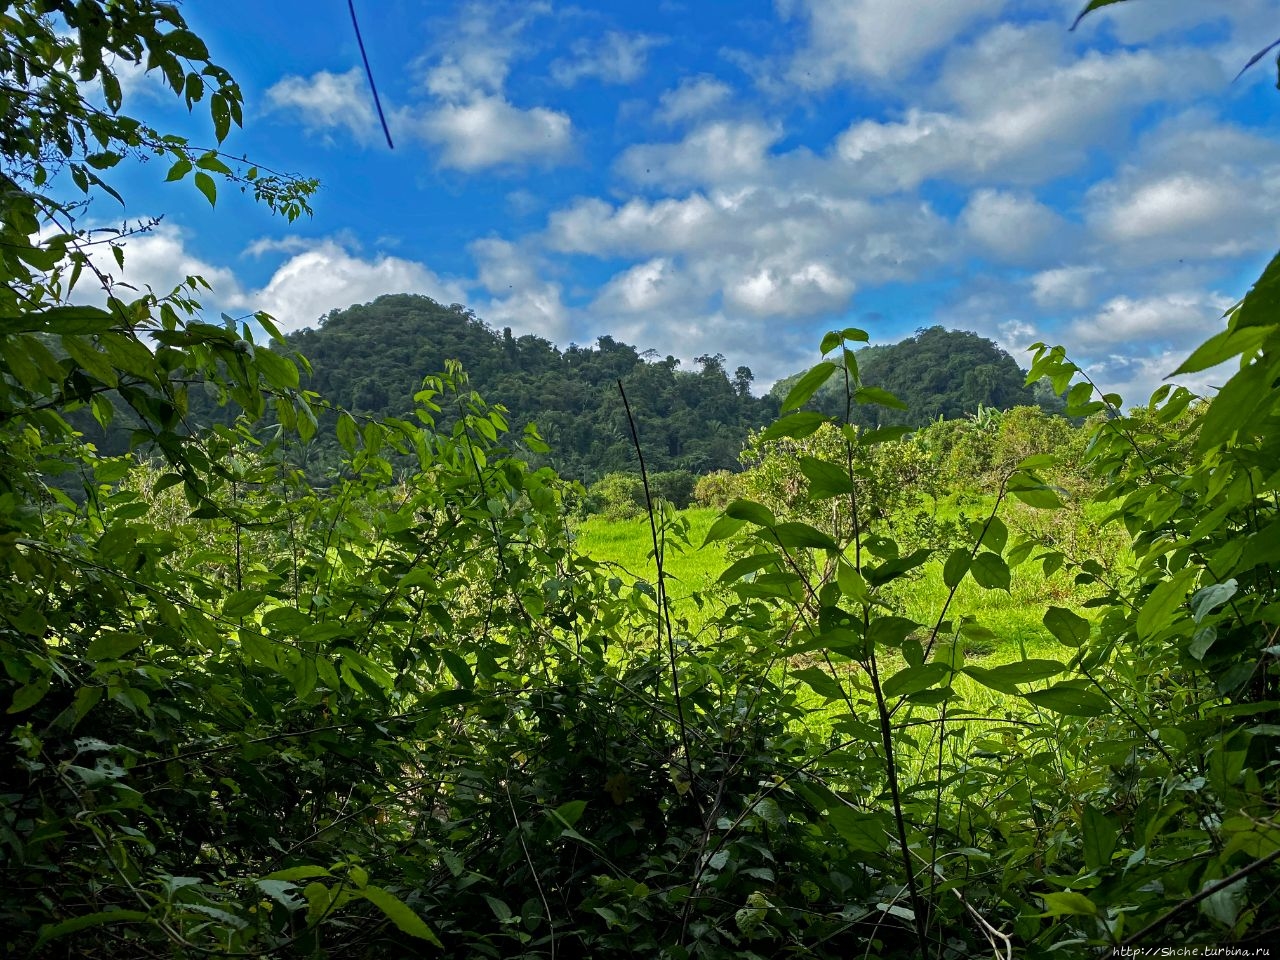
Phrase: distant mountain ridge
(371, 358)
(936, 373)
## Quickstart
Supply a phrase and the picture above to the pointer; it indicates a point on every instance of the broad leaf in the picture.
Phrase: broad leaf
(807, 385)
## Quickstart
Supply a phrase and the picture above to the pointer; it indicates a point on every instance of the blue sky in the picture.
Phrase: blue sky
(740, 177)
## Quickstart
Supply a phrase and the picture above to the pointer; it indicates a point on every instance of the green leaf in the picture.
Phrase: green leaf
(205, 184)
(1068, 903)
(1222, 347)
(851, 583)
(794, 534)
(1072, 701)
(867, 832)
(807, 385)
(1006, 676)
(179, 170)
(723, 529)
(915, 679)
(281, 891)
(112, 646)
(890, 632)
(893, 569)
(751, 512)
(90, 359)
(877, 395)
(825, 479)
(1034, 494)
(26, 697)
(990, 571)
(1236, 405)
(1207, 599)
(747, 565)
(795, 425)
(1100, 834)
(1070, 629)
(348, 433)
(398, 912)
(956, 567)
(1163, 602)
(570, 813)
(821, 682)
(86, 921)
(995, 536)
(241, 603)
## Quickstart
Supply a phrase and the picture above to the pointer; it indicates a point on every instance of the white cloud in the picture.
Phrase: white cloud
(716, 154)
(520, 296)
(652, 285)
(328, 277)
(1196, 189)
(1015, 228)
(616, 57)
(469, 115)
(1176, 321)
(1064, 287)
(692, 99)
(328, 101)
(487, 131)
(462, 106)
(1019, 108)
(159, 260)
(851, 38)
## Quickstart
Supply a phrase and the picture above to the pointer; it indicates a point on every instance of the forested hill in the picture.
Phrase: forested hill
(936, 373)
(372, 358)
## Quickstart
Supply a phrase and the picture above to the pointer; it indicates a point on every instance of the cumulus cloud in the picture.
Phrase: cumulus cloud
(328, 101)
(327, 276)
(1195, 190)
(520, 296)
(160, 261)
(1176, 321)
(1018, 107)
(846, 39)
(1064, 287)
(692, 99)
(616, 57)
(487, 131)
(1015, 228)
(715, 154)
(655, 284)
(461, 108)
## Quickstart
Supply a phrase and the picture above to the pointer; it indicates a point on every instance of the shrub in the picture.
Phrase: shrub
(616, 496)
(717, 489)
(674, 486)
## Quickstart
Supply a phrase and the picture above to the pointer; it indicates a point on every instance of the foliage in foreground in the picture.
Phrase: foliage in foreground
(247, 716)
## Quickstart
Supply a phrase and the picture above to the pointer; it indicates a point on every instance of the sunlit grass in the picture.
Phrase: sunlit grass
(1012, 623)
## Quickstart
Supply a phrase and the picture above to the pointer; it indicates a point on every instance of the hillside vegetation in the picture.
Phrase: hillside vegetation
(405, 714)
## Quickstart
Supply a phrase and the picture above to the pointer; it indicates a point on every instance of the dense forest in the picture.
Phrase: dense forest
(935, 374)
(371, 359)
(1006, 685)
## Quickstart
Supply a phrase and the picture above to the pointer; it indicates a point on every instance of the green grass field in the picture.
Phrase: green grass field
(1014, 618)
